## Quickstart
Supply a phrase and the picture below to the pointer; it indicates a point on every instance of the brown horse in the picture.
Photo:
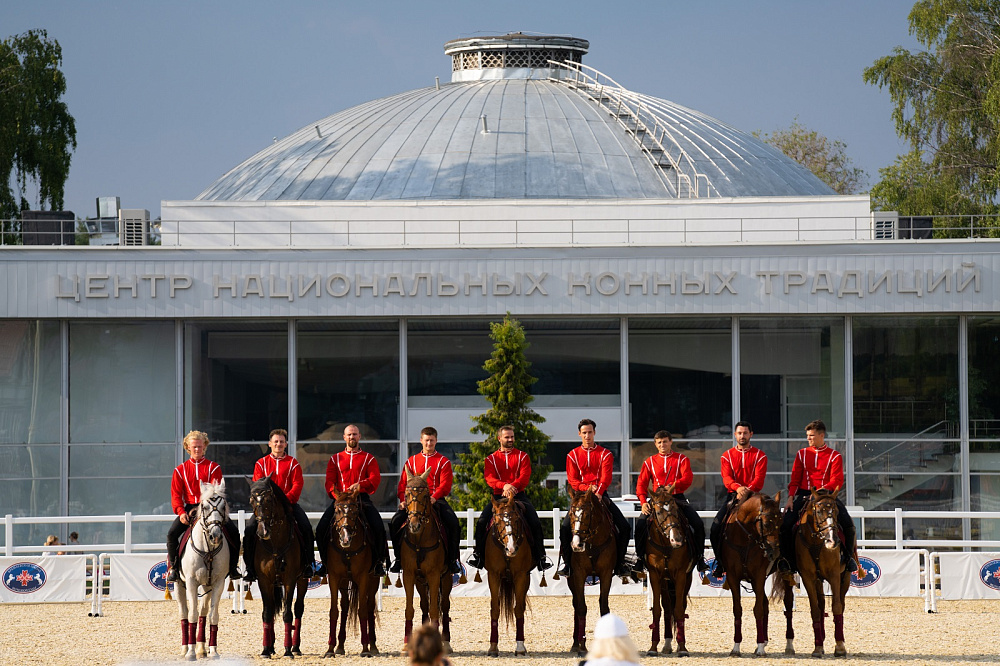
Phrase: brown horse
(750, 547)
(593, 553)
(350, 574)
(277, 561)
(817, 550)
(669, 562)
(424, 560)
(508, 565)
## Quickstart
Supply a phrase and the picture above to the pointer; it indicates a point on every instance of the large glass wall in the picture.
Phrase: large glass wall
(29, 424)
(906, 408)
(680, 380)
(984, 423)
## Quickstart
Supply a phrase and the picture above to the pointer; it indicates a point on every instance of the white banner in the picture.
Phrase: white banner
(138, 577)
(39, 579)
(970, 575)
(887, 573)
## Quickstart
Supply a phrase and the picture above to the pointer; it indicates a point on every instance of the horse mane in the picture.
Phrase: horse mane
(213, 490)
(279, 494)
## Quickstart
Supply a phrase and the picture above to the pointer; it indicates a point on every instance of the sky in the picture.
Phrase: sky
(169, 96)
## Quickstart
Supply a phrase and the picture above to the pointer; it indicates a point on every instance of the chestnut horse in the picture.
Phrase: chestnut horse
(817, 550)
(594, 552)
(749, 550)
(424, 560)
(669, 563)
(350, 574)
(277, 561)
(508, 565)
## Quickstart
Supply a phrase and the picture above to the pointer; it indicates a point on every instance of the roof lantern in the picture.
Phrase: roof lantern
(512, 56)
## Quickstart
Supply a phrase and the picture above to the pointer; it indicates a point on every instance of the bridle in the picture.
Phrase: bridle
(582, 523)
(823, 520)
(212, 528)
(507, 528)
(418, 507)
(345, 520)
(267, 511)
(667, 519)
(765, 524)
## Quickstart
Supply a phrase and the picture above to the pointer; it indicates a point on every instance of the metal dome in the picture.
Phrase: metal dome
(522, 119)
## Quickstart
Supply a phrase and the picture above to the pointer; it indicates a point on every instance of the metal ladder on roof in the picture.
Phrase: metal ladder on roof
(671, 163)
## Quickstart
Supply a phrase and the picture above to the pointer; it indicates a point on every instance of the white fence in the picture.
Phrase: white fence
(133, 571)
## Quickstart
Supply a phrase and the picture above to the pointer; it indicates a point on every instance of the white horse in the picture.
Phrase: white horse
(204, 567)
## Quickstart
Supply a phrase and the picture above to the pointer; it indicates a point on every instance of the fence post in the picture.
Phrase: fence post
(556, 519)
(470, 535)
(9, 534)
(899, 528)
(128, 531)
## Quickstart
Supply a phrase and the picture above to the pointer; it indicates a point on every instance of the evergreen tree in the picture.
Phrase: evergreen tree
(508, 388)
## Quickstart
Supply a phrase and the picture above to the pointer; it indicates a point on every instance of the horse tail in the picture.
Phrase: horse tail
(353, 603)
(507, 599)
(778, 587)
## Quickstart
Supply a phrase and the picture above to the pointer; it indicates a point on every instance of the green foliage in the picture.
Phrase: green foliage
(827, 159)
(508, 388)
(946, 105)
(37, 132)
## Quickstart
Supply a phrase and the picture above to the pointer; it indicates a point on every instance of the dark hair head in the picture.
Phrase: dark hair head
(426, 646)
(816, 425)
(583, 422)
(745, 424)
(278, 431)
(429, 431)
(506, 427)
(663, 434)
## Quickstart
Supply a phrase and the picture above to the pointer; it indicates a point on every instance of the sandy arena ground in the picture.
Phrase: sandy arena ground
(886, 631)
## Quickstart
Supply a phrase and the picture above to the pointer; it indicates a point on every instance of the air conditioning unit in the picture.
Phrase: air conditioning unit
(133, 226)
(884, 224)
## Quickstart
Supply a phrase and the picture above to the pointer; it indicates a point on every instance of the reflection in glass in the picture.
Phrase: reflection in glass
(577, 363)
(96, 496)
(792, 372)
(314, 456)
(28, 462)
(917, 492)
(984, 368)
(906, 375)
(129, 460)
(236, 379)
(29, 382)
(348, 372)
(680, 377)
(445, 360)
(117, 371)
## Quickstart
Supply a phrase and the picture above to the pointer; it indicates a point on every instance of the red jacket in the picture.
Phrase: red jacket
(815, 469)
(589, 468)
(744, 468)
(286, 473)
(439, 479)
(503, 468)
(662, 471)
(185, 486)
(344, 469)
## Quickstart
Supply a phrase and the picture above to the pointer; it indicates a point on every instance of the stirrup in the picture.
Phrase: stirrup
(379, 570)
(475, 561)
(172, 575)
(396, 566)
(564, 571)
(543, 563)
(235, 574)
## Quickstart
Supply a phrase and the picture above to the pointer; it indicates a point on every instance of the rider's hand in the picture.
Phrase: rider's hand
(742, 492)
(509, 491)
(593, 488)
(788, 504)
(401, 506)
(646, 509)
(184, 518)
(356, 486)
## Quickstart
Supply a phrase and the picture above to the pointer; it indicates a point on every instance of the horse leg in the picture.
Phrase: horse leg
(789, 600)
(732, 576)
(408, 581)
(201, 636)
(345, 607)
(193, 620)
(495, 584)
(654, 586)
(267, 616)
(817, 602)
(681, 586)
(434, 599)
(760, 611)
(181, 593)
(576, 582)
(520, 602)
(667, 604)
(300, 607)
(213, 619)
(287, 617)
(446, 584)
(839, 592)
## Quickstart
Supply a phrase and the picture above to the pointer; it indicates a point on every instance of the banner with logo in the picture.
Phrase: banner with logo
(887, 573)
(138, 577)
(39, 579)
(969, 575)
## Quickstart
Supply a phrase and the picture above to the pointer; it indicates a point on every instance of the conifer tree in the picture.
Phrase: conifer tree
(508, 388)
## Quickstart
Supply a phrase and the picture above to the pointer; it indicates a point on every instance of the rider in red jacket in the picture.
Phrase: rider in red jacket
(286, 472)
(185, 494)
(744, 468)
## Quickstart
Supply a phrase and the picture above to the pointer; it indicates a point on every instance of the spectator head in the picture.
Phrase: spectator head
(612, 641)
(426, 647)
(52, 540)
(74, 537)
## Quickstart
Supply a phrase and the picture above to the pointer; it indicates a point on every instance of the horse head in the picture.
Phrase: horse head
(768, 523)
(346, 517)
(666, 516)
(266, 506)
(507, 525)
(417, 500)
(582, 517)
(822, 511)
(213, 511)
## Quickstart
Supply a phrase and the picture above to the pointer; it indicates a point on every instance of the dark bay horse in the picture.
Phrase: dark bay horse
(350, 574)
(277, 561)
(424, 560)
(750, 547)
(817, 550)
(594, 552)
(508, 565)
(669, 563)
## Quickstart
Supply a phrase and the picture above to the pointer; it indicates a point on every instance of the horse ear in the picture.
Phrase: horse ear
(814, 494)
(249, 480)
(777, 497)
(572, 492)
(649, 488)
(670, 488)
(427, 472)
(836, 491)
(222, 487)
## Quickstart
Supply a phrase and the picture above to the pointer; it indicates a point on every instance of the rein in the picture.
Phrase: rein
(273, 518)
(678, 521)
(586, 535)
(345, 554)
(423, 509)
(508, 531)
(209, 555)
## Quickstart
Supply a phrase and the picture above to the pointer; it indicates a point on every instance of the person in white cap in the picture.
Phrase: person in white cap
(612, 645)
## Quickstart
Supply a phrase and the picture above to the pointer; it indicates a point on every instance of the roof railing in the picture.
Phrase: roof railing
(671, 163)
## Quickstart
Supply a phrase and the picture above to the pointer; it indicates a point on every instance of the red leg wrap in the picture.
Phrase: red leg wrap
(494, 631)
(407, 630)
(192, 628)
(738, 630)
(656, 632)
(819, 632)
(761, 629)
(213, 636)
(519, 627)
(267, 640)
(288, 634)
(201, 629)
(838, 627)
(680, 631)
(297, 635)
(184, 632)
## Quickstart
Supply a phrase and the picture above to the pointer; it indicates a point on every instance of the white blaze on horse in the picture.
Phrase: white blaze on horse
(204, 568)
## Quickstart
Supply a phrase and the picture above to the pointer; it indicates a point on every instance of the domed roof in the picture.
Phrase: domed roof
(522, 119)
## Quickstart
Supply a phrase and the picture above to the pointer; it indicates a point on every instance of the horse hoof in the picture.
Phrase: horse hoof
(652, 652)
(760, 651)
(447, 647)
(296, 651)
(289, 653)
(667, 650)
(734, 653)
(818, 652)
(492, 653)
(520, 653)
(841, 650)
(340, 649)
(328, 654)
(682, 652)
(374, 650)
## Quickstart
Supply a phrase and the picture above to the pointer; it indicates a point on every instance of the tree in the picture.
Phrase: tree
(946, 105)
(508, 390)
(37, 133)
(827, 159)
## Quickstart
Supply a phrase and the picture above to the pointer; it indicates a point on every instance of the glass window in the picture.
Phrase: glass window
(791, 372)
(680, 376)
(29, 382)
(917, 492)
(236, 379)
(906, 376)
(348, 373)
(577, 364)
(129, 460)
(445, 361)
(984, 368)
(122, 382)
